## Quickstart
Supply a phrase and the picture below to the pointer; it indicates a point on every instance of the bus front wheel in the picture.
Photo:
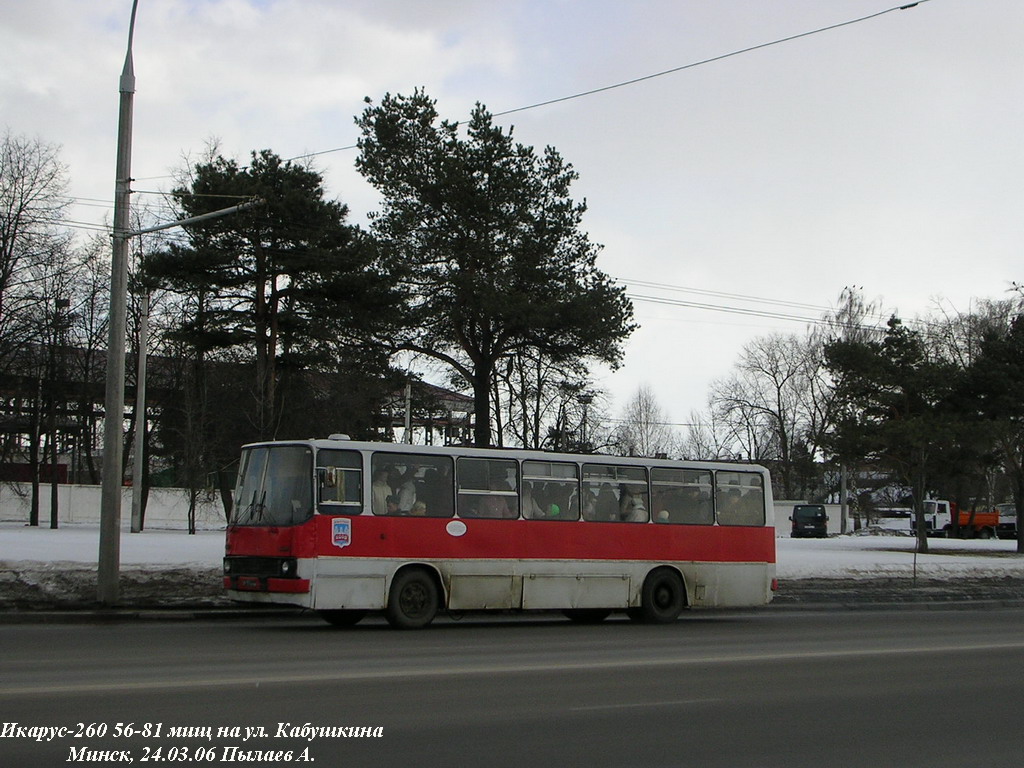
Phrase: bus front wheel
(662, 598)
(413, 600)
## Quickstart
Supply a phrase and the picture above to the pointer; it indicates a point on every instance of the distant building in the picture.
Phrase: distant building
(437, 416)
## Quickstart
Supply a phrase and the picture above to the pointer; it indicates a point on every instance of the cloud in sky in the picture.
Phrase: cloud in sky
(884, 154)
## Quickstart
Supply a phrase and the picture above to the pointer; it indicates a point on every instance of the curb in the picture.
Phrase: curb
(896, 605)
(119, 615)
(124, 615)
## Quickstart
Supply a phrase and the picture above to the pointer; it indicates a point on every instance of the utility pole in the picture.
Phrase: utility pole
(108, 586)
(585, 399)
(408, 412)
(57, 395)
(844, 508)
(139, 470)
(108, 571)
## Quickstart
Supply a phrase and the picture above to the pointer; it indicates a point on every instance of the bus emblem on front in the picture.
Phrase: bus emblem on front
(341, 533)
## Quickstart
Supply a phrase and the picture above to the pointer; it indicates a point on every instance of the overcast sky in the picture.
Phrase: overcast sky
(886, 154)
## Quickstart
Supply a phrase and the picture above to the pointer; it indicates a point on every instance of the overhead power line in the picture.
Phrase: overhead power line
(724, 295)
(821, 310)
(623, 84)
(85, 225)
(643, 78)
(730, 309)
(713, 59)
(663, 73)
(823, 320)
(820, 320)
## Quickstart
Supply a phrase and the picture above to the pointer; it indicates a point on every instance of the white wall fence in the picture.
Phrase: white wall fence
(166, 508)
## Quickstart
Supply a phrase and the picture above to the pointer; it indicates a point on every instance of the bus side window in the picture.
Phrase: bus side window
(339, 483)
(620, 493)
(488, 488)
(411, 485)
(682, 496)
(550, 491)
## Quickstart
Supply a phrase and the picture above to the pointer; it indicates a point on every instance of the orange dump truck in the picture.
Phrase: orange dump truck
(938, 516)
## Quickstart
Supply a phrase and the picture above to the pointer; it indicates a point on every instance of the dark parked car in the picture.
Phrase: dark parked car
(809, 521)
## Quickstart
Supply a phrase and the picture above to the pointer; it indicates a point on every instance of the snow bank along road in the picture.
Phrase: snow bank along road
(44, 569)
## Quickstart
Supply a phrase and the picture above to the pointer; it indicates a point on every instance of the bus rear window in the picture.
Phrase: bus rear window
(275, 486)
(739, 498)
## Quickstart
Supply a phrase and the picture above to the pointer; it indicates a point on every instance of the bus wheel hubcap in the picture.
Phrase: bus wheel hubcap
(414, 599)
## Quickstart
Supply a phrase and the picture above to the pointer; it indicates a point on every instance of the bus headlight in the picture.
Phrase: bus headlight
(288, 567)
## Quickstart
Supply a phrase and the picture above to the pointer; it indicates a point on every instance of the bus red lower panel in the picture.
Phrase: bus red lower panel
(442, 538)
(446, 538)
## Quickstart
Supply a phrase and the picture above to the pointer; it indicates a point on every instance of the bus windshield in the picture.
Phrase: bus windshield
(275, 486)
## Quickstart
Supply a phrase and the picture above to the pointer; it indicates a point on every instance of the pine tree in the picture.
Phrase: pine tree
(487, 245)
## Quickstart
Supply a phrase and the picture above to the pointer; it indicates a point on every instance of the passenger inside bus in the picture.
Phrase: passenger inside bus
(532, 509)
(380, 491)
(589, 504)
(494, 505)
(607, 506)
(436, 492)
(405, 487)
(631, 506)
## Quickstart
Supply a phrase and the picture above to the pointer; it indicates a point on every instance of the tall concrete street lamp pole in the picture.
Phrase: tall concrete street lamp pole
(108, 586)
(113, 417)
(585, 398)
(139, 465)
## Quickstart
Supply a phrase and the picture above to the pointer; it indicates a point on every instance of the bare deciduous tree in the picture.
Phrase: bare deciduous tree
(644, 430)
(765, 401)
(706, 437)
(33, 249)
(32, 207)
(537, 402)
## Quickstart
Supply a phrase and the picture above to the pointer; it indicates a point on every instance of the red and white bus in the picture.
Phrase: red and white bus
(344, 527)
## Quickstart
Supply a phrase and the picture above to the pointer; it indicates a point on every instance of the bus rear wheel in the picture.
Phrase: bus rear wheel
(413, 600)
(662, 598)
(342, 618)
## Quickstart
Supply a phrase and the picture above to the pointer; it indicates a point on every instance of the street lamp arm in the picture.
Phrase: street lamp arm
(194, 219)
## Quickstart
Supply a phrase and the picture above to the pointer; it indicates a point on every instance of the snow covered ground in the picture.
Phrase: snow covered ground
(870, 557)
(76, 547)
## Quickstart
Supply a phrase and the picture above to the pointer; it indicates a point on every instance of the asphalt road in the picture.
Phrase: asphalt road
(903, 687)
